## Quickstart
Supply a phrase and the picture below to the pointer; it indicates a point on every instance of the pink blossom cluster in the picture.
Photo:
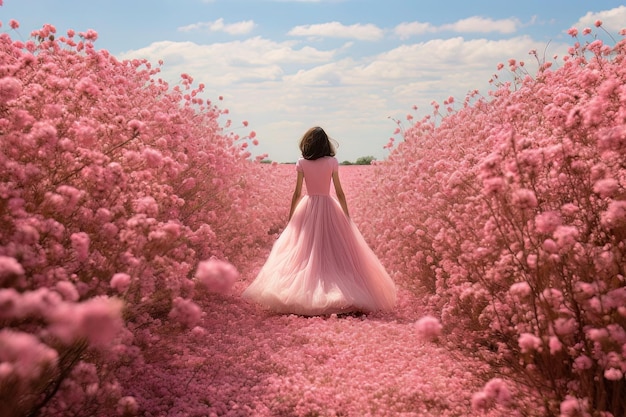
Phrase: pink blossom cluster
(508, 217)
(114, 187)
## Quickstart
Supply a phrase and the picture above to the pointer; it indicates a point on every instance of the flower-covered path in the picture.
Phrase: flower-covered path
(255, 363)
(242, 361)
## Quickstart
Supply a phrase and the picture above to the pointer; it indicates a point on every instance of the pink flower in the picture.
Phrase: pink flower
(408, 229)
(548, 221)
(480, 401)
(14, 24)
(569, 209)
(574, 407)
(26, 356)
(97, 320)
(494, 185)
(598, 23)
(524, 198)
(136, 125)
(9, 268)
(586, 31)
(428, 328)
(550, 246)
(572, 32)
(565, 236)
(153, 157)
(528, 342)
(565, 327)
(147, 205)
(216, 276)
(615, 214)
(88, 87)
(597, 335)
(520, 289)
(583, 362)
(120, 282)
(186, 312)
(10, 89)
(613, 374)
(127, 406)
(80, 244)
(555, 345)
(67, 290)
(90, 35)
(497, 390)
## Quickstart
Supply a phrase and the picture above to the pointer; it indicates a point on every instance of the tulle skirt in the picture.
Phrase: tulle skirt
(321, 264)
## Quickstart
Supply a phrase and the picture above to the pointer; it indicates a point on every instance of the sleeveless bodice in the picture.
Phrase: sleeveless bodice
(318, 174)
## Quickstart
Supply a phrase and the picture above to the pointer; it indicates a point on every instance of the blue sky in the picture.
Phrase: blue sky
(346, 65)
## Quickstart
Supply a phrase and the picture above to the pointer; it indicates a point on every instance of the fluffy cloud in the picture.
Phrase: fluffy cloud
(238, 28)
(406, 30)
(363, 32)
(282, 88)
(477, 24)
(612, 20)
(474, 24)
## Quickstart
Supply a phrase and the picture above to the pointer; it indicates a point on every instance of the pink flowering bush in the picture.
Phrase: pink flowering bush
(508, 216)
(113, 187)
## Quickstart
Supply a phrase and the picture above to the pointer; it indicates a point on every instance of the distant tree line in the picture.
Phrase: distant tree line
(363, 160)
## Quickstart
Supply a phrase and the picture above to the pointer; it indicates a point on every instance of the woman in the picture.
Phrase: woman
(321, 264)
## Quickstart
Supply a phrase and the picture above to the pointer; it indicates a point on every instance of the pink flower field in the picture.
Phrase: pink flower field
(132, 217)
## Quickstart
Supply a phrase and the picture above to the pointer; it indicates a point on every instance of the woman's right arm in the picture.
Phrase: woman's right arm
(297, 193)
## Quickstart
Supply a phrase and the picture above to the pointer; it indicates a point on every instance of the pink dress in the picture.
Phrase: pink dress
(321, 264)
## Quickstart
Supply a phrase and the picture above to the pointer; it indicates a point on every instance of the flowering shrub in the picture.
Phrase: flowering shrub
(113, 187)
(509, 217)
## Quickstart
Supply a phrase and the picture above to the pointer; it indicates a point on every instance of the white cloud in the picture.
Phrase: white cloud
(238, 28)
(477, 24)
(367, 32)
(474, 24)
(612, 20)
(406, 30)
(282, 88)
(224, 64)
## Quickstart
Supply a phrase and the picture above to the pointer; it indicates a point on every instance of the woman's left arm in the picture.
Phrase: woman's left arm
(297, 193)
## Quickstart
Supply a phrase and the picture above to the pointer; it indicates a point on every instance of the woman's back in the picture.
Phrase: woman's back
(317, 174)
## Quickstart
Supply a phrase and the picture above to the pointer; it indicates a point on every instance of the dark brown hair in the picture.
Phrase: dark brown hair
(316, 144)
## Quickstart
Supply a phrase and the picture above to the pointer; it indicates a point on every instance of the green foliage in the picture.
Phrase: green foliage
(365, 160)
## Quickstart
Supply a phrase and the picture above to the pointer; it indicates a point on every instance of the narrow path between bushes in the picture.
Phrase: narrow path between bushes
(242, 361)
